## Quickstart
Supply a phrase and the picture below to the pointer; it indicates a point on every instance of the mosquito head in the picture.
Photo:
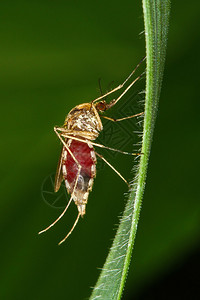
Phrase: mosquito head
(101, 105)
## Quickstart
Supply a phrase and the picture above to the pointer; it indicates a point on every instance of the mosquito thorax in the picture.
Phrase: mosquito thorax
(84, 118)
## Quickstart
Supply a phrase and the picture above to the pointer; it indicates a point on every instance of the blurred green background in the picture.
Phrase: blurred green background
(51, 56)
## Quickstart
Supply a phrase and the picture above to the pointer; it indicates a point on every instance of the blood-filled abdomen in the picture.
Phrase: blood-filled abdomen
(79, 169)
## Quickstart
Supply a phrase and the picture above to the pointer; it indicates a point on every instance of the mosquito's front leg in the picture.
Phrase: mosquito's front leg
(121, 85)
(114, 101)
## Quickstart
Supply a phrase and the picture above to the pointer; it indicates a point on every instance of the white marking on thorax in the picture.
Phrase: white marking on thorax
(86, 121)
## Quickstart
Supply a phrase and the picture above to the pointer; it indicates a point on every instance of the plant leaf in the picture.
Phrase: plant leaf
(112, 278)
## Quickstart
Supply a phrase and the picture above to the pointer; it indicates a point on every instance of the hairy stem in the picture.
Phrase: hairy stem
(111, 282)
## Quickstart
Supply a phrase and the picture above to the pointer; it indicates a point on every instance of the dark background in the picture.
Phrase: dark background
(51, 56)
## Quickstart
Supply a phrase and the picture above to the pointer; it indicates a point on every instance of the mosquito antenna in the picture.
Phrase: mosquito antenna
(76, 221)
(101, 92)
(99, 81)
(100, 88)
(62, 214)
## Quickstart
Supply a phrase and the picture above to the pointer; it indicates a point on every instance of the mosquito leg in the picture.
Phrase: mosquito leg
(114, 101)
(118, 120)
(69, 136)
(72, 195)
(64, 211)
(59, 136)
(105, 95)
(121, 85)
(74, 158)
(62, 214)
(112, 168)
(98, 145)
(84, 134)
(71, 229)
(134, 70)
(79, 170)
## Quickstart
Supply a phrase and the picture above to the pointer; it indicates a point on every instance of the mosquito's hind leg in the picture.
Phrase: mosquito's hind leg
(62, 214)
(72, 195)
(112, 168)
(76, 221)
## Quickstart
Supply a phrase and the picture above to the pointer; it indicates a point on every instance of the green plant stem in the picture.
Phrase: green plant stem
(111, 282)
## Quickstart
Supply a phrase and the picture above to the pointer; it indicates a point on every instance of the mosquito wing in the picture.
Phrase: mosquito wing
(59, 175)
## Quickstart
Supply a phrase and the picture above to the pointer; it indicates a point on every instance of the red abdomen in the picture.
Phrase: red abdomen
(86, 159)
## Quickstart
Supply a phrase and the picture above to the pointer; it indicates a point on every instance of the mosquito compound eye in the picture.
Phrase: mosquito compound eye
(101, 106)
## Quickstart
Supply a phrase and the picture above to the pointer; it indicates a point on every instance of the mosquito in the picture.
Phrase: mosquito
(77, 163)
